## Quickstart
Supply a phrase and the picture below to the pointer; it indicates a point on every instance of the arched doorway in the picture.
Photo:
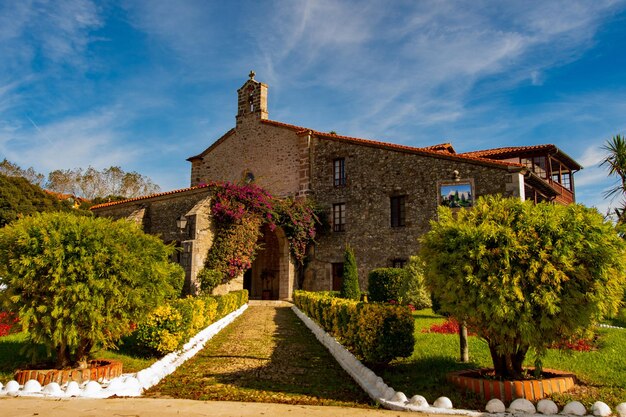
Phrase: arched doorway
(272, 274)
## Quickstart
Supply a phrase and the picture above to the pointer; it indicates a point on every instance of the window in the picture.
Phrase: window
(398, 211)
(567, 180)
(339, 172)
(398, 263)
(339, 217)
(539, 166)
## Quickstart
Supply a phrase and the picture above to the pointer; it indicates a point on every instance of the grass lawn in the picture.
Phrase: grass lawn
(12, 358)
(601, 373)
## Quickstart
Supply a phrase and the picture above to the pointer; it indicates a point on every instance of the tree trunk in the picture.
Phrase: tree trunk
(63, 356)
(464, 350)
(508, 366)
(82, 353)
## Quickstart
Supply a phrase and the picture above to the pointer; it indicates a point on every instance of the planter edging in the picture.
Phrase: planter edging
(104, 369)
(507, 391)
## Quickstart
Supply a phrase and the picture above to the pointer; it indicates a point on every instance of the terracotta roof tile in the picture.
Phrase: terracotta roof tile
(442, 147)
(181, 190)
(517, 150)
(511, 149)
(428, 151)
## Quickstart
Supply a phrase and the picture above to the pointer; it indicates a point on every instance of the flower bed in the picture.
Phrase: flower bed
(8, 323)
(482, 382)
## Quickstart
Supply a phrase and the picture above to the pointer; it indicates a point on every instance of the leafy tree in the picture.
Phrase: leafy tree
(13, 170)
(18, 197)
(77, 283)
(350, 282)
(616, 162)
(413, 290)
(524, 276)
(92, 183)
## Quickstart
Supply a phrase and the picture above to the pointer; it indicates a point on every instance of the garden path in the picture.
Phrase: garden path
(266, 355)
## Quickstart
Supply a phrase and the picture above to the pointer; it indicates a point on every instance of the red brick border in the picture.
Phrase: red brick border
(553, 382)
(98, 369)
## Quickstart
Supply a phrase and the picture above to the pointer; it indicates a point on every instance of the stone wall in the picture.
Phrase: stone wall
(158, 216)
(272, 154)
(374, 175)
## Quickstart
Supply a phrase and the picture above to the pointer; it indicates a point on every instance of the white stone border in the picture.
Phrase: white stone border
(127, 385)
(386, 396)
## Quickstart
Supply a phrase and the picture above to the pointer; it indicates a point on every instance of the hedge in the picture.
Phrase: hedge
(376, 333)
(385, 284)
(170, 326)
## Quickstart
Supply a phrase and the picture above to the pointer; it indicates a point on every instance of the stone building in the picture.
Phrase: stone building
(379, 197)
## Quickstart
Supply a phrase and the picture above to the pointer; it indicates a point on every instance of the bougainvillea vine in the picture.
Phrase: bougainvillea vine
(240, 211)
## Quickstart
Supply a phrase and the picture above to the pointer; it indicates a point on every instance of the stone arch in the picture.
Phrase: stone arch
(272, 275)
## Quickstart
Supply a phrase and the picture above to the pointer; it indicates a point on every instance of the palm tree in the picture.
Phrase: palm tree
(616, 161)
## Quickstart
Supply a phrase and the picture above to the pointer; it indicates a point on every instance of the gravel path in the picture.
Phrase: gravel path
(266, 355)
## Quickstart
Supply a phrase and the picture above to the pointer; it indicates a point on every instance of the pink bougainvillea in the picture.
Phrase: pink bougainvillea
(240, 211)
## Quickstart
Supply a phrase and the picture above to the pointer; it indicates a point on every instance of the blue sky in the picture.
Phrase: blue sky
(145, 84)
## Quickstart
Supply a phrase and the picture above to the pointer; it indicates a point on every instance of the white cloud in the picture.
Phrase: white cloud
(90, 139)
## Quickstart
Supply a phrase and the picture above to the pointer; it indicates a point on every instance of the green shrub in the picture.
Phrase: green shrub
(209, 279)
(170, 326)
(385, 284)
(524, 276)
(210, 310)
(413, 289)
(163, 330)
(376, 333)
(350, 280)
(385, 332)
(78, 283)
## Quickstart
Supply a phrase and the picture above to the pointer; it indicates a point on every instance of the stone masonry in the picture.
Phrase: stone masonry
(290, 160)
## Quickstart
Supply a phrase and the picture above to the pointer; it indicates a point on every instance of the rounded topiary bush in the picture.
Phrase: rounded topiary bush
(385, 284)
(78, 283)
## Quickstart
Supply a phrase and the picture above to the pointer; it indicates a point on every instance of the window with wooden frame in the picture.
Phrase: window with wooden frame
(398, 211)
(339, 217)
(339, 172)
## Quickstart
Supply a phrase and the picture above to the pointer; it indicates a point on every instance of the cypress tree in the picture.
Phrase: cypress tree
(350, 283)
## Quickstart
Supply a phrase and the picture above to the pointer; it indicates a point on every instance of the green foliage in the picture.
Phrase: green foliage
(413, 289)
(18, 198)
(234, 247)
(163, 330)
(377, 333)
(77, 283)
(616, 163)
(170, 326)
(350, 282)
(385, 284)
(209, 279)
(524, 276)
(298, 220)
(240, 211)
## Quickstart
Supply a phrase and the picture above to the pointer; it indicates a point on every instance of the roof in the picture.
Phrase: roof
(215, 144)
(62, 196)
(145, 197)
(442, 147)
(511, 151)
(436, 150)
(445, 150)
